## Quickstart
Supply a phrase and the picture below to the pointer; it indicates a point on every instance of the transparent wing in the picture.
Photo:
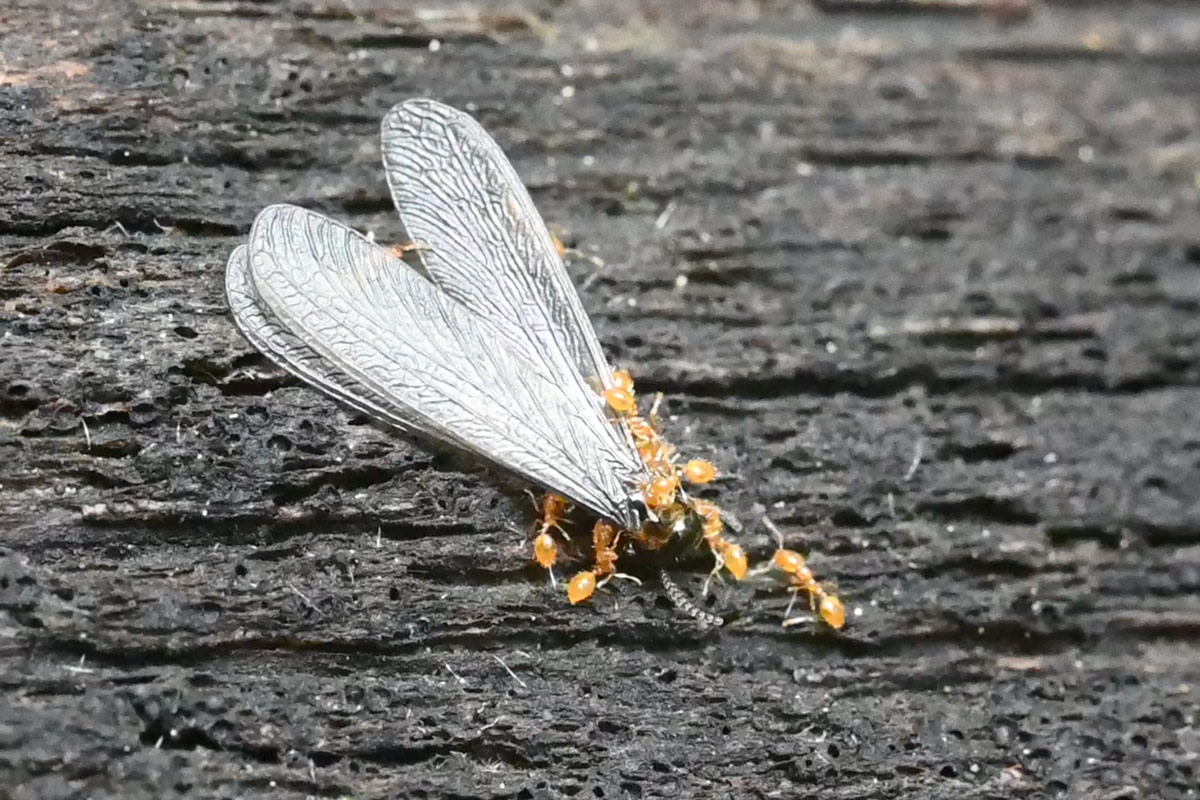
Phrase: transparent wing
(347, 316)
(483, 242)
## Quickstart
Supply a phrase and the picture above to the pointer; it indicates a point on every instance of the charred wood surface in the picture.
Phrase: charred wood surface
(923, 278)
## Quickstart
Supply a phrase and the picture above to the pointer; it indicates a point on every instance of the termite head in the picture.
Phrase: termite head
(686, 526)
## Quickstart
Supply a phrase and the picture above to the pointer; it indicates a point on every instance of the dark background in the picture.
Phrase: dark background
(940, 318)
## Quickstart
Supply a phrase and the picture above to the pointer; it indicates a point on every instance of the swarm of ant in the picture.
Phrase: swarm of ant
(676, 515)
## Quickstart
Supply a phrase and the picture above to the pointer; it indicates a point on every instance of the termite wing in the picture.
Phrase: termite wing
(482, 346)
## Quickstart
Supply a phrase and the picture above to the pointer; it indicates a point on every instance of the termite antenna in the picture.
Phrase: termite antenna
(683, 603)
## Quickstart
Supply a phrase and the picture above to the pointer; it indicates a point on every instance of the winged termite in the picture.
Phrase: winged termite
(473, 337)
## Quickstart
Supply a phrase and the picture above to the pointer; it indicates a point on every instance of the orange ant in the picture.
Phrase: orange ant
(401, 250)
(661, 490)
(727, 554)
(605, 538)
(664, 495)
(801, 578)
(545, 549)
(563, 251)
(559, 245)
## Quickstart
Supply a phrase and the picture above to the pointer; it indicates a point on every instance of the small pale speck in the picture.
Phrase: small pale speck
(1087, 153)
(1051, 458)
(589, 161)
(681, 281)
(858, 612)
(631, 302)
(567, 92)
(804, 169)
(435, 45)
(830, 348)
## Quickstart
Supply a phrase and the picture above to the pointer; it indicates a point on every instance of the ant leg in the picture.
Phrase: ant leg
(401, 250)
(788, 619)
(715, 573)
(653, 415)
(775, 532)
